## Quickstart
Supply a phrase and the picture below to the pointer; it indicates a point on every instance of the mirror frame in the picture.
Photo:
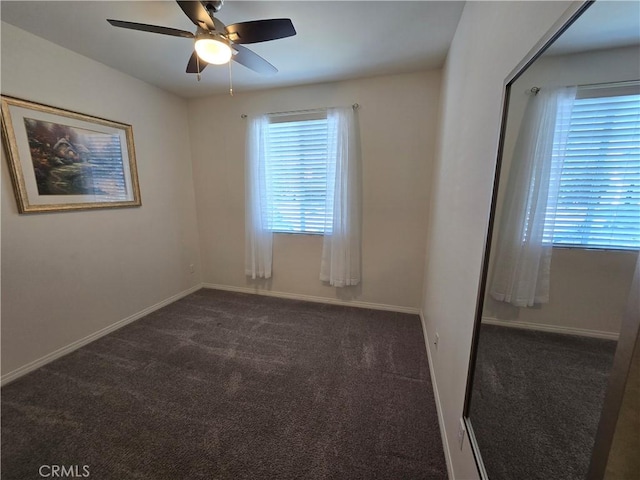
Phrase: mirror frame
(631, 321)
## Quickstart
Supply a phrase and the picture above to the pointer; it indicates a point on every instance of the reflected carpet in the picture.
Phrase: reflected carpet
(536, 402)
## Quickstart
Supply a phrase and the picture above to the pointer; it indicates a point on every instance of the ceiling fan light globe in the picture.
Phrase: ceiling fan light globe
(213, 51)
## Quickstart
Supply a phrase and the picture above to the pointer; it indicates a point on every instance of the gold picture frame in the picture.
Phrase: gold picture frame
(62, 160)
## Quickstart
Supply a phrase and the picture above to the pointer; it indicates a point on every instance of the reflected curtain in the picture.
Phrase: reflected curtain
(523, 254)
(340, 265)
(258, 236)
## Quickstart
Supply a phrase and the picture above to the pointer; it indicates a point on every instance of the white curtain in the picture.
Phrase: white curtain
(258, 236)
(523, 256)
(340, 265)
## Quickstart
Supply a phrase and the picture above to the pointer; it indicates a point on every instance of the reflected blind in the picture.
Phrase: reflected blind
(599, 194)
(296, 173)
(106, 165)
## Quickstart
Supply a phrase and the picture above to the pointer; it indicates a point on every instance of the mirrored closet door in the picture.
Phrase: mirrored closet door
(561, 252)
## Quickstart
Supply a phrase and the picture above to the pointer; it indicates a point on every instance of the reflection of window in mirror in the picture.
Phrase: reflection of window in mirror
(574, 182)
(597, 204)
(579, 299)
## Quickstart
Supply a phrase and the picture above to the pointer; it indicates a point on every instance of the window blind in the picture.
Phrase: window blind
(598, 203)
(296, 171)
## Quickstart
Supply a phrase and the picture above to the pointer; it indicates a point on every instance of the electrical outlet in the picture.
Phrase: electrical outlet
(437, 340)
(192, 268)
(461, 433)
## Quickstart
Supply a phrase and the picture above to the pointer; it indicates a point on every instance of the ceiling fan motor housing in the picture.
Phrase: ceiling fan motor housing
(213, 7)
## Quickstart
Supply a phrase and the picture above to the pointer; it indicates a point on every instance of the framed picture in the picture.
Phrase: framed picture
(61, 160)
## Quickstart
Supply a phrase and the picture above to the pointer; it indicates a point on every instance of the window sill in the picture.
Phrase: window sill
(595, 249)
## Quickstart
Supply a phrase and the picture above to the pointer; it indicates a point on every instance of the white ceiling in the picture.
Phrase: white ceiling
(335, 39)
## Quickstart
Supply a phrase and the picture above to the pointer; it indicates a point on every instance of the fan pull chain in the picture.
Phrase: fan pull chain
(198, 66)
(230, 81)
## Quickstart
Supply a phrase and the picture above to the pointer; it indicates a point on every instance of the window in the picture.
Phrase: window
(303, 176)
(598, 201)
(296, 173)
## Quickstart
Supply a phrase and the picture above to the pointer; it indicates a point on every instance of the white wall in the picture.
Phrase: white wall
(68, 275)
(491, 39)
(588, 295)
(398, 121)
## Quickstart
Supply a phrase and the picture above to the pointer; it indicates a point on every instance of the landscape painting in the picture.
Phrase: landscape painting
(74, 161)
(62, 160)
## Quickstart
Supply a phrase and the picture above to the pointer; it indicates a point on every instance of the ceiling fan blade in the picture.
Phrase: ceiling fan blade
(220, 27)
(253, 61)
(197, 14)
(143, 27)
(192, 66)
(260, 30)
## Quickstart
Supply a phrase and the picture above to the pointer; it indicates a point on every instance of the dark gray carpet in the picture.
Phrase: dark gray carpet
(536, 402)
(231, 386)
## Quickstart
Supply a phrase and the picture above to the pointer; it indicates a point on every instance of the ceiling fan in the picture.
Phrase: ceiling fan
(217, 43)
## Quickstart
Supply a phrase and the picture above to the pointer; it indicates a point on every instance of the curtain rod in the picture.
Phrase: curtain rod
(535, 90)
(355, 106)
(626, 83)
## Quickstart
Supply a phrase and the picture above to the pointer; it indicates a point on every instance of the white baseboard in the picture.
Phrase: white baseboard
(17, 373)
(29, 367)
(443, 431)
(551, 328)
(312, 298)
